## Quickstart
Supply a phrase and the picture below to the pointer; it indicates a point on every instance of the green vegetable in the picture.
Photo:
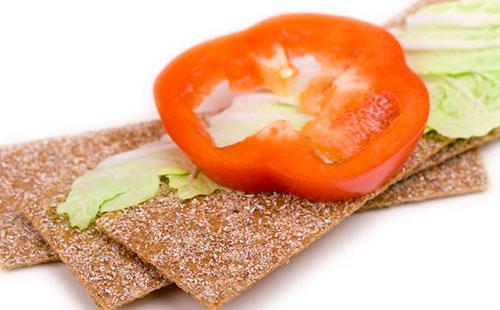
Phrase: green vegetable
(464, 105)
(249, 114)
(465, 7)
(468, 13)
(439, 38)
(130, 178)
(454, 61)
(455, 48)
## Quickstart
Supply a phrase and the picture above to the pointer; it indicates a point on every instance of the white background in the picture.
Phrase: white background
(70, 66)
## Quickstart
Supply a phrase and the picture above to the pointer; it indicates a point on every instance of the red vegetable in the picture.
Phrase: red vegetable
(369, 109)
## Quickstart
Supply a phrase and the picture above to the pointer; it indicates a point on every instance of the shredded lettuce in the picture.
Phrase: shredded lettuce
(454, 61)
(130, 178)
(468, 13)
(464, 105)
(466, 7)
(455, 48)
(439, 38)
(251, 113)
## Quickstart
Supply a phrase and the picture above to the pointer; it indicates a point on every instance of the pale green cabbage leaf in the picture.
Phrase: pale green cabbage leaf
(447, 38)
(250, 113)
(130, 178)
(468, 13)
(455, 48)
(464, 105)
(454, 61)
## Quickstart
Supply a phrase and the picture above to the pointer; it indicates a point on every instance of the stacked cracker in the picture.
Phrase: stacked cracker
(213, 247)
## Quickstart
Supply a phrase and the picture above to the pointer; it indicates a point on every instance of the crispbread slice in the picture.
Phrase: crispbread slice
(463, 174)
(35, 174)
(459, 146)
(22, 246)
(217, 246)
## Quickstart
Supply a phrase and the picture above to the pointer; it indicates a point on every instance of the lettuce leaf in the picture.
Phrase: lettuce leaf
(468, 13)
(130, 178)
(455, 48)
(465, 7)
(464, 105)
(439, 38)
(454, 61)
(251, 113)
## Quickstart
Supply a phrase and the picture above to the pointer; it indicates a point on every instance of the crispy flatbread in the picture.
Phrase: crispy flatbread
(33, 171)
(22, 246)
(463, 174)
(217, 246)
(38, 175)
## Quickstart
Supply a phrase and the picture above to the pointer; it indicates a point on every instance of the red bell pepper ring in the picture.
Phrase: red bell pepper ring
(369, 108)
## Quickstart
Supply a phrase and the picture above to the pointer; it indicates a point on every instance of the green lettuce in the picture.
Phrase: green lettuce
(454, 61)
(464, 105)
(466, 7)
(455, 48)
(440, 38)
(468, 13)
(130, 178)
(251, 113)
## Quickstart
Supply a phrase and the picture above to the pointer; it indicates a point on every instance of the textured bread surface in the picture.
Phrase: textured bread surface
(460, 175)
(38, 175)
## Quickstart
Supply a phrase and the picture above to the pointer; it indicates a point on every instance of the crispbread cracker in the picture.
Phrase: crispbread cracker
(22, 246)
(36, 175)
(217, 246)
(20, 243)
(458, 147)
(463, 174)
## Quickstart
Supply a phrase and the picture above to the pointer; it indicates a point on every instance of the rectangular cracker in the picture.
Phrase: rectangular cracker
(17, 182)
(34, 171)
(463, 174)
(22, 246)
(458, 147)
(217, 246)
(37, 175)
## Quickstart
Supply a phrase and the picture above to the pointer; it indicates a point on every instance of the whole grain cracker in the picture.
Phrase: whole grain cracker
(463, 174)
(36, 175)
(21, 245)
(217, 246)
(458, 147)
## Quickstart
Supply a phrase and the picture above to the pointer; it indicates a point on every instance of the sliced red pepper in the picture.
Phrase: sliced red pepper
(369, 108)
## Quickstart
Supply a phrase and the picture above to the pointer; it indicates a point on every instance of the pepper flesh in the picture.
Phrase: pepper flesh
(368, 115)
